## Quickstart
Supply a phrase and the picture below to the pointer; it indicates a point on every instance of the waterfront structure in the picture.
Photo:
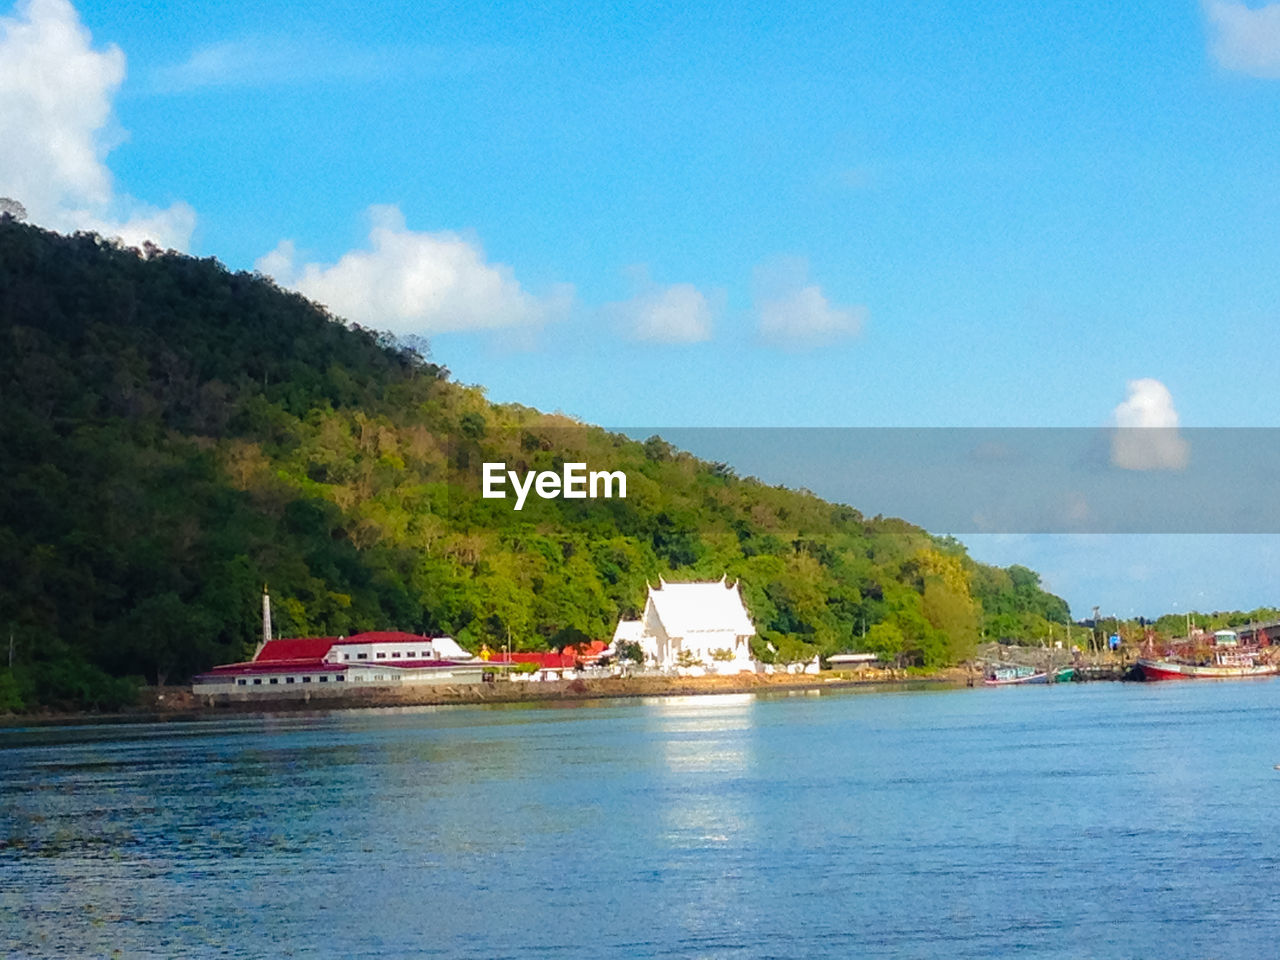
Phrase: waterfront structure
(853, 661)
(381, 660)
(570, 662)
(694, 628)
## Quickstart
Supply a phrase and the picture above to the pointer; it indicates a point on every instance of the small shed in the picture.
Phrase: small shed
(852, 661)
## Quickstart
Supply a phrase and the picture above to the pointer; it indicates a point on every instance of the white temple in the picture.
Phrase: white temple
(694, 628)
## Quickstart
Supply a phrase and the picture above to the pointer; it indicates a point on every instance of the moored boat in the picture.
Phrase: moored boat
(1008, 675)
(1171, 669)
(1224, 659)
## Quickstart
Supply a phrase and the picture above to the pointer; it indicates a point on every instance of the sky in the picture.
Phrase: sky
(668, 215)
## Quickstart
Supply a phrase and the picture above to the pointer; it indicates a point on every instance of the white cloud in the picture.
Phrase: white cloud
(410, 282)
(806, 317)
(1075, 509)
(57, 126)
(256, 61)
(264, 60)
(794, 312)
(1147, 435)
(679, 313)
(1245, 39)
(229, 63)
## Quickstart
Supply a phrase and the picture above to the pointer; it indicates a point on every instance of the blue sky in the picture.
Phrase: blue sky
(871, 214)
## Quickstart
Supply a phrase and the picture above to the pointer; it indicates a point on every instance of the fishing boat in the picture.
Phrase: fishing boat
(1004, 675)
(1226, 667)
(1064, 674)
(1228, 661)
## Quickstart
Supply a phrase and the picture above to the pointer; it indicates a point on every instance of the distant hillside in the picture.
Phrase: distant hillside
(175, 436)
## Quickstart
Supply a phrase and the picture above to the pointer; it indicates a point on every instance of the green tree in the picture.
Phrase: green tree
(630, 652)
(175, 435)
(11, 698)
(887, 641)
(687, 660)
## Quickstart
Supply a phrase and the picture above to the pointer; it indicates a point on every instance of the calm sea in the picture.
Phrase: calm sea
(1094, 820)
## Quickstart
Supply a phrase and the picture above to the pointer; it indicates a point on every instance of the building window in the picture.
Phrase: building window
(346, 656)
(395, 655)
(306, 679)
(257, 681)
(288, 679)
(382, 656)
(324, 679)
(339, 678)
(241, 681)
(362, 656)
(273, 680)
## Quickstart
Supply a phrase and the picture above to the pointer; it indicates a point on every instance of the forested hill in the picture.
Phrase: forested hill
(175, 435)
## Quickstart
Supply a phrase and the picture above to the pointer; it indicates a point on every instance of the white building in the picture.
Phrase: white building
(628, 631)
(315, 666)
(693, 628)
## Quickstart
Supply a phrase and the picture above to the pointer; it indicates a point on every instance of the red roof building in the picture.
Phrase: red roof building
(297, 648)
(378, 658)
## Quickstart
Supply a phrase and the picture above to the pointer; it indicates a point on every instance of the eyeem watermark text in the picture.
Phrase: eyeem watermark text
(573, 483)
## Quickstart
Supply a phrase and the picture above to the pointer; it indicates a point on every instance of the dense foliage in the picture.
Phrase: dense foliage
(176, 435)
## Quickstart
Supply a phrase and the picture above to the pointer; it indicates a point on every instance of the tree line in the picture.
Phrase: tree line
(177, 435)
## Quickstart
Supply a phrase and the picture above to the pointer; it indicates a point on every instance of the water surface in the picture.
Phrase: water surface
(1094, 820)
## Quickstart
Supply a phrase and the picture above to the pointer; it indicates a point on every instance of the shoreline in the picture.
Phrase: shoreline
(179, 704)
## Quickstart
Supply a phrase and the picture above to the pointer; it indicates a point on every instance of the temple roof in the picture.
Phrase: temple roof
(707, 607)
(628, 631)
